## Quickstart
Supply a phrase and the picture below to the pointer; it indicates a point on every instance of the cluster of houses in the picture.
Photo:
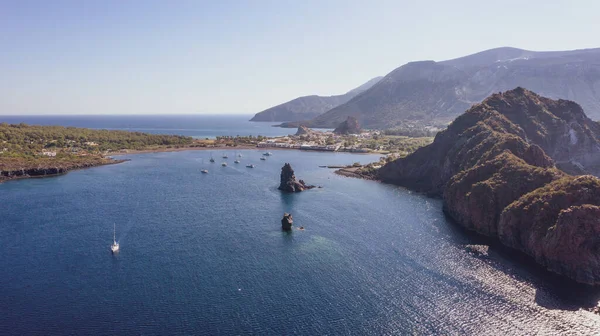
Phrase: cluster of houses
(297, 143)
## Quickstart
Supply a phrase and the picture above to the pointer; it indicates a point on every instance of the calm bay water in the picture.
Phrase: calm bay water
(198, 126)
(204, 254)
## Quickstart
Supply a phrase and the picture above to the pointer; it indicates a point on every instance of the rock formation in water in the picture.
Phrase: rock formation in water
(287, 222)
(288, 181)
(497, 169)
(349, 126)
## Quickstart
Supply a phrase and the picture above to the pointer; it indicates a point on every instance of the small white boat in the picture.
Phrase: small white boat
(263, 158)
(236, 161)
(224, 164)
(267, 154)
(204, 171)
(239, 155)
(250, 166)
(225, 156)
(212, 160)
(115, 246)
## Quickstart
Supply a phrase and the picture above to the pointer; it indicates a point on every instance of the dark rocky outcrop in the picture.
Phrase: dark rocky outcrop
(303, 130)
(495, 169)
(349, 126)
(288, 181)
(287, 222)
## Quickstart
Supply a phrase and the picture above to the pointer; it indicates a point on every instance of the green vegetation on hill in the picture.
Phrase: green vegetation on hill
(26, 141)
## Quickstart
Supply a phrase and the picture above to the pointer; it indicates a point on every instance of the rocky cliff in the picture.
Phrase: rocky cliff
(288, 182)
(430, 92)
(496, 169)
(308, 107)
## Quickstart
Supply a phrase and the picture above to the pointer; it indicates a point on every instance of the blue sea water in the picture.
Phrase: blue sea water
(203, 254)
(198, 126)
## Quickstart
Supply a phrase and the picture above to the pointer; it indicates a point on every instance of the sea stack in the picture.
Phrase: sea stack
(287, 222)
(288, 181)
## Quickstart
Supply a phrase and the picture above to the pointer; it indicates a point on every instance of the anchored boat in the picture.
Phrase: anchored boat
(115, 246)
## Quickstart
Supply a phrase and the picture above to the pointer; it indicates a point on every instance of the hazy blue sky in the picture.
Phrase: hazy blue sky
(132, 57)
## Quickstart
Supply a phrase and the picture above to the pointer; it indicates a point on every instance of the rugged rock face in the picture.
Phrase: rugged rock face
(308, 107)
(349, 126)
(476, 197)
(303, 130)
(288, 181)
(495, 169)
(428, 91)
(558, 225)
(287, 222)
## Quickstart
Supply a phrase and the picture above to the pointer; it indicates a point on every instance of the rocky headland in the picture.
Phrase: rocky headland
(506, 169)
(288, 182)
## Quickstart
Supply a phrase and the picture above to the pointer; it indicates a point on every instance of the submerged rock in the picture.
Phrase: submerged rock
(287, 222)
(288, 181)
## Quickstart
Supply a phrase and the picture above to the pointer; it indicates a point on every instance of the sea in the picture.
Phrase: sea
(197, 126)
(204, 254)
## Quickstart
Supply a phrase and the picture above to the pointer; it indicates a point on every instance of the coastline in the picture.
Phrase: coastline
(111, 158)
(243, 147)
(43, 172)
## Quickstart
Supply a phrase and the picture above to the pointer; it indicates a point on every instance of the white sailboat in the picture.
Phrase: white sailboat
(204, 171)
(115, 246)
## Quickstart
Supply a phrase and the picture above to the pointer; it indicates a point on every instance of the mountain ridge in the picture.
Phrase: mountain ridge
(499, 170)
(430, 91)
(308, 107)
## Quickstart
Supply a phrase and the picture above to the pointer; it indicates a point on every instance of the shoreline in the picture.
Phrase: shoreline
(183, 149)
(60, 171)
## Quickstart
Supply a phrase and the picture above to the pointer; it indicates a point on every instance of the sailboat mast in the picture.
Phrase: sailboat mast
(115, 233)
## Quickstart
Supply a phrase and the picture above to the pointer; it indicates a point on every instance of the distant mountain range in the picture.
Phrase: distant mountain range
(308, 107)
(429, 92)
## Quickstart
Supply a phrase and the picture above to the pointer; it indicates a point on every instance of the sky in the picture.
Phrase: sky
(241, 57)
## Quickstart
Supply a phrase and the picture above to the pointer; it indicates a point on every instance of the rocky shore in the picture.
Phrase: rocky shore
(496, 168)
(7, 174)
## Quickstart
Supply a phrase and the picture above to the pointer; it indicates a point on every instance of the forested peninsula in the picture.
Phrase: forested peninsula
(37, 151)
